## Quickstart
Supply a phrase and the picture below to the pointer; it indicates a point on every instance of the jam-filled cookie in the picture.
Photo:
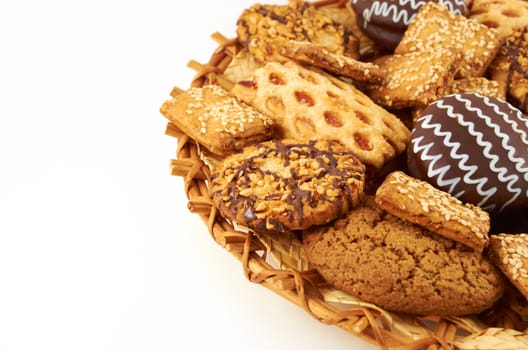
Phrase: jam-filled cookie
(284, 185)
(306, 104)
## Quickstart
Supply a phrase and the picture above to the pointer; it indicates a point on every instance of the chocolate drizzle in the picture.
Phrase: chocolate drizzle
(298, 182)
(514, 48)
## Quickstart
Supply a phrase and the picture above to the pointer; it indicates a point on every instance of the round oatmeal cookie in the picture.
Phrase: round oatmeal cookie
(284, 185)
(399, 266)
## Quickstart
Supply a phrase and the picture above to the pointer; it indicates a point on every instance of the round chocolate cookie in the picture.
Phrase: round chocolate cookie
(380, 258)
(385, 21)
(475, 148)
(286, 185)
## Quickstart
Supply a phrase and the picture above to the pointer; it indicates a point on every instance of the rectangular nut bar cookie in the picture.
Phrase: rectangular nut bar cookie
(419, 202)
(216, 119)
(262, 28)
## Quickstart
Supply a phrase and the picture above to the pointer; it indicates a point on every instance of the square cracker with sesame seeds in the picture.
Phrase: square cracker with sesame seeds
(420, 203)
(415, 78)
(216, 119)
(509, 252)
(435, 27)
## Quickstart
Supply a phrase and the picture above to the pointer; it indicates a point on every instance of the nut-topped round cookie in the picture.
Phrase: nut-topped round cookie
(284, 185)
(475, 148)
(385, 21)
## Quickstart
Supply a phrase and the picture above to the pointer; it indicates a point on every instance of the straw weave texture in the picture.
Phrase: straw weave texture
(277, 261)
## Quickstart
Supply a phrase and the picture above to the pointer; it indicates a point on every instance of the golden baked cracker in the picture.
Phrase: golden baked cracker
(420, 203)
(505, 16)
(435, 27)
(318, 56)
(307, 104)
(479, 85)
(261, 28)
(510, 253)
(415, 78)
(285, 185)
(216, 119)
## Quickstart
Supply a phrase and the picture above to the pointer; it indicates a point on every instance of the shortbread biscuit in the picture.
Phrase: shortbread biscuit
(380, 258)
(308, 104)
(415, 78)
(435, 27)
(284, 185)
(505, 16)
(261, 28)
(216, 119)
(318, 56)
(510, 253)
(420, 203)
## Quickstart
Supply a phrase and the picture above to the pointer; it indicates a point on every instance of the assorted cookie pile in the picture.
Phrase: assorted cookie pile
(389, 136)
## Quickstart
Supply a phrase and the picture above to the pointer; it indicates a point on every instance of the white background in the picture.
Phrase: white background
(97, 247)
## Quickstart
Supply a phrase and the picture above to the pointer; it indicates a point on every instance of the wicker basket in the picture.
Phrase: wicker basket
(277, 262)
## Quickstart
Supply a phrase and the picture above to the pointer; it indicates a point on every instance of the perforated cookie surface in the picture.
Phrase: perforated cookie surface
(307, 104)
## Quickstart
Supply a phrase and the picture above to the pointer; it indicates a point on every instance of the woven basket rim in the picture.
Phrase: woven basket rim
(304, 287)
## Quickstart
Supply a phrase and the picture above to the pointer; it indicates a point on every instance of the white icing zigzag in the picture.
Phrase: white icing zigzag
(462, 158)
(453, 8)
(399, 14)
(511, 180)
(501, 172)
(519, 162)
(431, 171)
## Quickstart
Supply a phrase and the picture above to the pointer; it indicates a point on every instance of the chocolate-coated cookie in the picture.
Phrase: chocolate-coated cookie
(475, 148)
